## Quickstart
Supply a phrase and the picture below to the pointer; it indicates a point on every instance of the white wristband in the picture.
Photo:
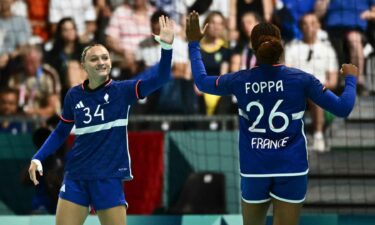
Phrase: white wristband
(162, 43)
(39, 166)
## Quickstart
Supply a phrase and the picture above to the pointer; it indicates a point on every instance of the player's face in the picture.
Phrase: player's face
(97, 62)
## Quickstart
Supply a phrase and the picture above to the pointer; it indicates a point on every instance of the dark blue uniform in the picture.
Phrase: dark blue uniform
(271, 103)
(99, 159)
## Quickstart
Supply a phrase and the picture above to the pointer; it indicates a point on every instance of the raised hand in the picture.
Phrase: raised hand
(347, 69)
(166, 30)
(193, 30)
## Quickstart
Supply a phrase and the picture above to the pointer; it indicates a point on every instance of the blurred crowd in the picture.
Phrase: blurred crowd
(41, 43)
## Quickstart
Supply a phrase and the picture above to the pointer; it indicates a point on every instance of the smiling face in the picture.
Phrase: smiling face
(96, 62)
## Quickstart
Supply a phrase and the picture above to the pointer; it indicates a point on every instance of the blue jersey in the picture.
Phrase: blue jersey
(100, 116)
(271, 103)
(100, 119)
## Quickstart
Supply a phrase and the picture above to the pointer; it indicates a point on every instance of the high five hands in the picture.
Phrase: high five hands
(193, 30)
(166, 30)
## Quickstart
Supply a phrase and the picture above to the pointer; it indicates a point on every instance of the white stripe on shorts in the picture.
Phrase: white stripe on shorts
(256, 201)
(287, 200)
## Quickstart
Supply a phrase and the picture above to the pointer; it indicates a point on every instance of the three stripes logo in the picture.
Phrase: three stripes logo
(79, 105)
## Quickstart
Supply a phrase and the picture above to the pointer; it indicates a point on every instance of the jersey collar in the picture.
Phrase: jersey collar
(85, 85)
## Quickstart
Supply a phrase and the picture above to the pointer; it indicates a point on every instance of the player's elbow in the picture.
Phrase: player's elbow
(200, 86)
(343, 112)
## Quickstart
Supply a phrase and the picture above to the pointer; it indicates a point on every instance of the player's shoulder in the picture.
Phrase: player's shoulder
(302, 76)
(75, 89)
(295, 72)
(119, 83)
(236, 76)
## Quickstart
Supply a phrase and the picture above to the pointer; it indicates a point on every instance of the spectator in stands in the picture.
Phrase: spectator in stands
(38, 85)
(215, 55)
(243, 56)
(83, 12)
(128, 26)
(288, 14)
(38, 17)
(15, 33)
(104, 11)
(19, 8)
(9, 108)
(346, 22)
(318, 58)
(205, 7)
(65, 54)
(176, 9)
(262, 8)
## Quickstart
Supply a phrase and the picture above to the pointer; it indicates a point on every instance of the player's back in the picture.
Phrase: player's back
(271, 101)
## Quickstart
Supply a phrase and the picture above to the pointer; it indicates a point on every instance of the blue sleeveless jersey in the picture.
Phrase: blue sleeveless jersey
(100, 117)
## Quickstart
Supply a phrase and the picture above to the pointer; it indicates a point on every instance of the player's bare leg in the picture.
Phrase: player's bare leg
(115, 215)
(285, 213)
(69, 213)
(254, 213)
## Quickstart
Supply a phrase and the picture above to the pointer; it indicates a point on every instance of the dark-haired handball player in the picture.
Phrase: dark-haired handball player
(99, 160)
(271, 103)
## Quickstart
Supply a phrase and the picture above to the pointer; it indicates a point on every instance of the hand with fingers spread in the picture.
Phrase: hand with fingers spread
(166, 30)
(349, 69)
(193, 30)
(35, 165)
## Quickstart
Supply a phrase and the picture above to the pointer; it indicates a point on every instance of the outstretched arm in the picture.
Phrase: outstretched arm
(207, 84)
(53, 142)
(163, 75)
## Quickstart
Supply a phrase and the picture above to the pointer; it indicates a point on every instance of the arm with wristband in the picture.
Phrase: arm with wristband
(153, 81)
(53, 142)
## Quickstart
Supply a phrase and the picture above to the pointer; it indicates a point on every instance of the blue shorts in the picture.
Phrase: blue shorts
(287, 189)
(100, 194)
